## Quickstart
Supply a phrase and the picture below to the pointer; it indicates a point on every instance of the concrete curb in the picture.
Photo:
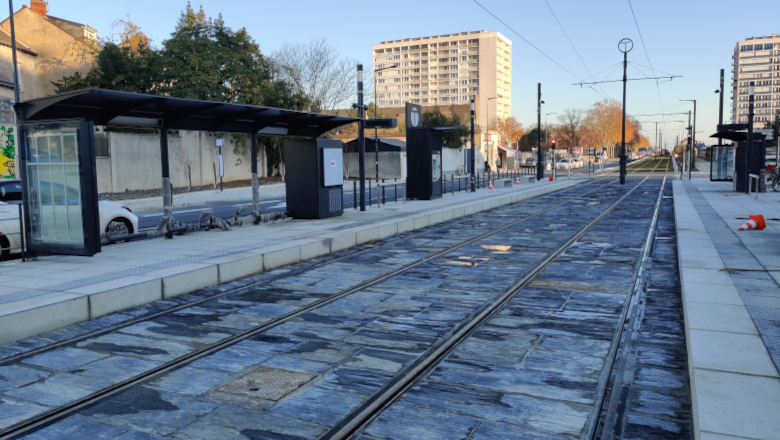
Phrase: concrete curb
(32, 316)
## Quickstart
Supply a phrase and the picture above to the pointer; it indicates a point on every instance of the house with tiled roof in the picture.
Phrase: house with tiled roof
(48, 49)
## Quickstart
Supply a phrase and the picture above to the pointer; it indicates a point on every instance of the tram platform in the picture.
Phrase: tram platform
(57, 291)
(731, 299)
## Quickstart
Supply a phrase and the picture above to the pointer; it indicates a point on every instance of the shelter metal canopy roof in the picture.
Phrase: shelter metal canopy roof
(126, 109)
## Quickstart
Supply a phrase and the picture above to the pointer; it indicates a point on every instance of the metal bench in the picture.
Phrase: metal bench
(503, 183)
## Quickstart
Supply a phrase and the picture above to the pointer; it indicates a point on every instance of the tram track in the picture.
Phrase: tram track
(299, 270)
(351, 426)
(49, 417)
(58, 413)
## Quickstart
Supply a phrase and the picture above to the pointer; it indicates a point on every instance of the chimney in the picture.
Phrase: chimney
(40, 6)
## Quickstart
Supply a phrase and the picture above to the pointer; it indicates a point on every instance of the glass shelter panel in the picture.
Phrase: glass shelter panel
(722, 163)
(60, 206)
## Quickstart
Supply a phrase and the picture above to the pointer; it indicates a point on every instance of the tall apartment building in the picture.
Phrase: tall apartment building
(756, 60)
(444, 70)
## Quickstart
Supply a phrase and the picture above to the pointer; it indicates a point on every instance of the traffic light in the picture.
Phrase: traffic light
(553, 143)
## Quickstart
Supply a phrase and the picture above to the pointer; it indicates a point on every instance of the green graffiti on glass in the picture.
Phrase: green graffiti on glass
(7, 149)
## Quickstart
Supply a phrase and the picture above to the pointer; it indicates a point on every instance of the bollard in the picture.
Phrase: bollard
(354, 194)
(369, 192)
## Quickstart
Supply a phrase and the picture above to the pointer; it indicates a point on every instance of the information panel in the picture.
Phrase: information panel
(60, 188)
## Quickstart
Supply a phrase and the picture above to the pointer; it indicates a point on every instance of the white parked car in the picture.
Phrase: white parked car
(563, 164)
(578, 162)
(11, 195)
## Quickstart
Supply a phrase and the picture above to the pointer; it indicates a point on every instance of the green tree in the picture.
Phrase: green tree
(453, 138)
(529, 140)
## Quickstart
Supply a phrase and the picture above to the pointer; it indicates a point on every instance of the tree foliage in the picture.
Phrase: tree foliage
(509, 128)
(203, 59)
(453, 138)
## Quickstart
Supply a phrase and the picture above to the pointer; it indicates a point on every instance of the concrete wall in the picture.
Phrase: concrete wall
(390, 165)
(134, 160)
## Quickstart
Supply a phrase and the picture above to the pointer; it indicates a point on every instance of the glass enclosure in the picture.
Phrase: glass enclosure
(60, 207)
(722, 163)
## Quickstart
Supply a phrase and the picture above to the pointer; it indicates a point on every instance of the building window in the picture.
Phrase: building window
(746, 48)
(381, 81)
(453, 51)
(397, 80)
(405, 48)
(769, 46)
(464, 58)
(475, 57)
(454, 59)
(759, 47)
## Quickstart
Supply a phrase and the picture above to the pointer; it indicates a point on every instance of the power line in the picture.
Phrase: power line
(644, 47)
(575, 49)
(524, 39)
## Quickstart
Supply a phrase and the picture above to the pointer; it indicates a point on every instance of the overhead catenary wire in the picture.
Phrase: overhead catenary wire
(526, 40)
(575, 49)
(644, 47)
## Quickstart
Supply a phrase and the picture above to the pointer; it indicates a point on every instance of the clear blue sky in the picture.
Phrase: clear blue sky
(693, 39)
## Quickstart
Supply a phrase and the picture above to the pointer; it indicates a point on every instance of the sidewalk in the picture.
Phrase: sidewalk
(732, 309)
(56, 291)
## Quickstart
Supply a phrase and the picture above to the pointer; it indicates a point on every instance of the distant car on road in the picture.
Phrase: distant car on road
(112, 214)
(564, 164)
(577, 162)
(530, 162)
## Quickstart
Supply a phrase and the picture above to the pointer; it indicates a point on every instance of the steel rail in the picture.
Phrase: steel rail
(18, 357)
(367, 411)
(609, 365)
(625, 366)
(46, 418)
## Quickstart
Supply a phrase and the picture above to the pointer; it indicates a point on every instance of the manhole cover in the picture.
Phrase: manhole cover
(267, 383)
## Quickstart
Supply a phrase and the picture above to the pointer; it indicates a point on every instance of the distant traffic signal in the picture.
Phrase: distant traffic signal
(553, 143)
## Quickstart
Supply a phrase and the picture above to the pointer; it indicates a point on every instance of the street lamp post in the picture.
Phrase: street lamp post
(720, 109)
(376, 130)
(625, 46)
(13, 51)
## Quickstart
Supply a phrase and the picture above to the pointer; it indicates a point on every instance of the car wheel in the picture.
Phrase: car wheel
(5, 248)
(119, 226)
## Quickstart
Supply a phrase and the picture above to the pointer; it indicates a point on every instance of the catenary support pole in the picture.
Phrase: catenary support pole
(361, 140)
(473, 150)
(623, 132)
(720, 109)
(692, 158)
(539, 153)
(749, 149)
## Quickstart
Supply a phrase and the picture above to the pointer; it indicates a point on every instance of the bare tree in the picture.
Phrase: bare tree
(570, 122)
(183, 158)
(320, 73)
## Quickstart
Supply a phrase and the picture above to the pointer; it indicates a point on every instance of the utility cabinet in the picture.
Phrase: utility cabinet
(314, 178)
(424, 161)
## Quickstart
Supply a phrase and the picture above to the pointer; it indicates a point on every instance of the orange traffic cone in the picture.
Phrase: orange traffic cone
(490, 184)
(756, 222)
(517, 181)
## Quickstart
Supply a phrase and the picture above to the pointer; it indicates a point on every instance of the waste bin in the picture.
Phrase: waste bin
(423, 157)
(314, 178)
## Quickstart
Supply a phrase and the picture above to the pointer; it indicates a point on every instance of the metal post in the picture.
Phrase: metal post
(354, 195)
(13, 52)
(376, 133)
(720, 110)
(539, 155)
(749, 149)
(692, 160)
(255, 181)
(361, 140)
(687, 161)
(473, 150)
(623, 121)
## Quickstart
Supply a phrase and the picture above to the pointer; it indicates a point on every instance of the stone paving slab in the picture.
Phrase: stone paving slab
(61, 290)
(730, 315)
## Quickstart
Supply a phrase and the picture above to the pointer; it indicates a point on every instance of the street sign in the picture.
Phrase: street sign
(413, 116)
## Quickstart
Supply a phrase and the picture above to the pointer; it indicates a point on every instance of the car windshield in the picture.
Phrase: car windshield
(11, 192)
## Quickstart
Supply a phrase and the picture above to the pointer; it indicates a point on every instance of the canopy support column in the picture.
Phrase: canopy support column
(166, 178)
(255, 182)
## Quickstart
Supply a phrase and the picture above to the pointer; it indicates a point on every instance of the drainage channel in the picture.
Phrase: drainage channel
(62, 411)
